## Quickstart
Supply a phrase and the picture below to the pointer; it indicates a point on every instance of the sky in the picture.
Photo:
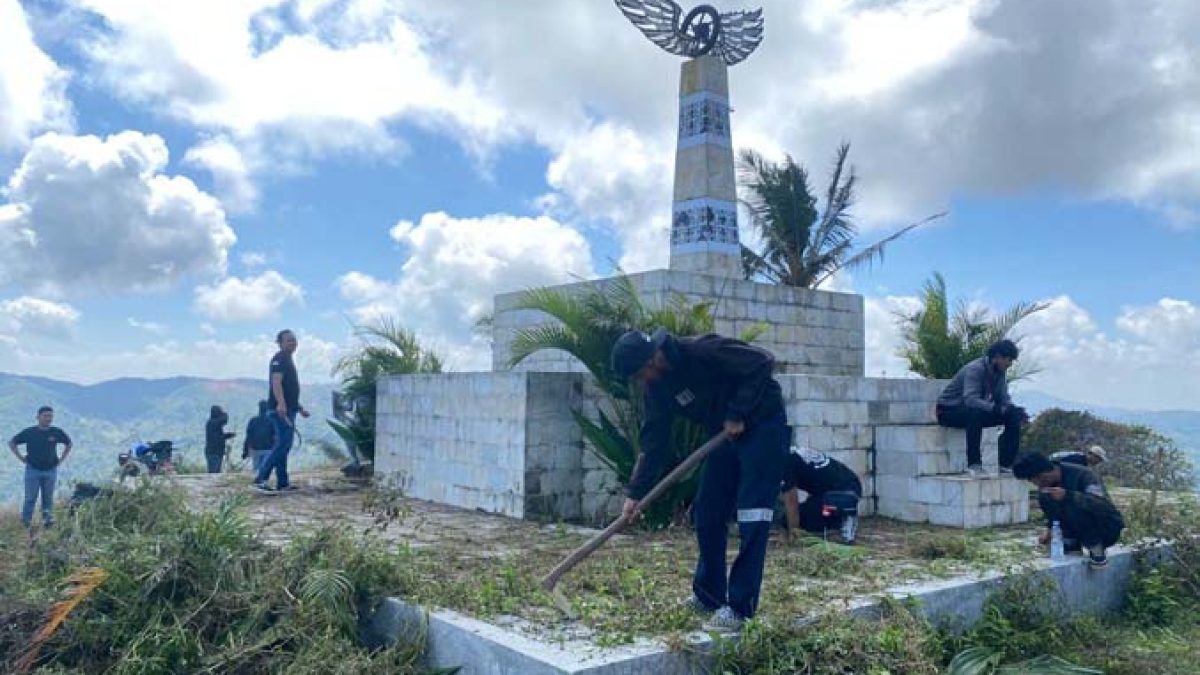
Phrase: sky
(180, 180)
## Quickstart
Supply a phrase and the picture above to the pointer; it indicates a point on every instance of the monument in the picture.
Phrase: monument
(704, 227)
(507, 441)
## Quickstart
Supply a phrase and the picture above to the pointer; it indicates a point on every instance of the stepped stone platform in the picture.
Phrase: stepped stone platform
(507, 442)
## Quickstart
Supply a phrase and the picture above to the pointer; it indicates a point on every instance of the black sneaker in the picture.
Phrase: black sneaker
(263, 488)
(287, 488)
(1097, 558)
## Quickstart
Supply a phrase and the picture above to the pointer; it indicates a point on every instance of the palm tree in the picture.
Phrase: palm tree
(386, 349)
(585, 326)
(938, 343)
(803, 245)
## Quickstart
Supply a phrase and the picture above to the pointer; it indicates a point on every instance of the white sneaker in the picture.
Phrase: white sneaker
(724, 620)
(976, 471)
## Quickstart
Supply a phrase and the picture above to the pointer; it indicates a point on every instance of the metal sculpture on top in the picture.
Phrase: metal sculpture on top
(732, 36)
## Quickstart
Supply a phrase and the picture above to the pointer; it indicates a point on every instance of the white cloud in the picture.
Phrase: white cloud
(86, 214)
(612, 173)
(253, 260)
(454, 268)
(32, 86)
(152, 327)
(940, 97)
(31, 316)
(230, 172)
(208, 329)
(883, 341)
(250, 299)
(201, 358)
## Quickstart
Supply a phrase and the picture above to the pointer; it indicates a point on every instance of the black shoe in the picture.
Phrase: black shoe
(263, 488)
(287, 488)
(1097, 559)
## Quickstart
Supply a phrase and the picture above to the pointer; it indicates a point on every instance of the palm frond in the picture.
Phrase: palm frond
(80, 586)
(870, 254)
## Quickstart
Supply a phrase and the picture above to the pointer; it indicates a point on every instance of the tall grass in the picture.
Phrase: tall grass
(197, 592)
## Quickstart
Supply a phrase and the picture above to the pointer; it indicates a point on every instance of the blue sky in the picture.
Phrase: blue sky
(360, 157)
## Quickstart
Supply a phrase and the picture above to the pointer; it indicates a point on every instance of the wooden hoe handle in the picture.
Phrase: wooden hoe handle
(580, 554)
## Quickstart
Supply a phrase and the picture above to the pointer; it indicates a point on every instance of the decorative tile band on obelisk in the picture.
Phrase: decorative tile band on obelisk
(704, 229)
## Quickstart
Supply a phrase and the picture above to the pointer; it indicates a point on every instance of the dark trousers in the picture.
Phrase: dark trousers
(974, 420)
(285, 428)
(812, 510)
(1090, 528)
(743, 477)
(214, 462)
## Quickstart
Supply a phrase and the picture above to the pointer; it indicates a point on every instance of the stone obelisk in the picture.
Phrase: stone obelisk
(704, 230)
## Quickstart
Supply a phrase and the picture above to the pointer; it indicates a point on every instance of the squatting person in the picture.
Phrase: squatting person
(41, 460)
(720, 383)
(215, 437)
(833, 491)
(978, 397)
(283, 399)
(1075, 497)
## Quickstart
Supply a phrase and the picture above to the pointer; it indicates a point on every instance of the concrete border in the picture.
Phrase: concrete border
(482, 648)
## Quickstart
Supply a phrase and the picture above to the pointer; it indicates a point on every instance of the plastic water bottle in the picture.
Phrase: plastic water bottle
(1056, 542)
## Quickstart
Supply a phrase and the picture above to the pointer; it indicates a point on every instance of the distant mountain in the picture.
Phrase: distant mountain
(104, 418)
(1181, 425)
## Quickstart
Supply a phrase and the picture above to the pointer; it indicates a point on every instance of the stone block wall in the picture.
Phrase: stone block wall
(507, 442)
(500, 442)
(809, 332)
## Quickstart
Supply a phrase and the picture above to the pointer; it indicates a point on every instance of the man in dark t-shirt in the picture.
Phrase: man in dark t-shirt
(833, 492)
(41, 461)
(283, 402)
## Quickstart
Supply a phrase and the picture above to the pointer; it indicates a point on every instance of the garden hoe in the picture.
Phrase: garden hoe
(579, 555)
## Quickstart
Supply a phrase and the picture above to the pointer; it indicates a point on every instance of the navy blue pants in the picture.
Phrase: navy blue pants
(743, 477)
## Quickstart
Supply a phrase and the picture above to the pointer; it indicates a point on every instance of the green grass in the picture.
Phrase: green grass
(191, 592)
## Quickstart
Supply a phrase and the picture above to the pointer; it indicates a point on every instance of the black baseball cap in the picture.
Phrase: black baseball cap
(632, 350)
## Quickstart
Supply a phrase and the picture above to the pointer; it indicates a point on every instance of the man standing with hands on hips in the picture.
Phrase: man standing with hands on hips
(41, 462)
(725, 385)
(283, 401)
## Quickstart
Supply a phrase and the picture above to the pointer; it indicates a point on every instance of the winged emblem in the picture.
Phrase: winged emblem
(731, 36)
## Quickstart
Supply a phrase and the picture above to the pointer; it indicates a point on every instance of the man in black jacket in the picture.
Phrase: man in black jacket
(1074, 497)
(215, 437)
(260, 437)
(721, 384)
(833, 491)
(978, 397)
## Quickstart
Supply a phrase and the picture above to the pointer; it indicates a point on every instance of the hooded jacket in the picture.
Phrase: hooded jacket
(214, 431)
(711, 379)
(260, 431)
(978, 385)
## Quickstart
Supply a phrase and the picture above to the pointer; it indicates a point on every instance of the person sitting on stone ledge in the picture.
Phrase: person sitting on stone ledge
(1075, 497)
(721, 384)
(1092, 458)
(833, 492)
(978, 397)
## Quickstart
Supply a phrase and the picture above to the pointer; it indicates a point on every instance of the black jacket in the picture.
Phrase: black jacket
(712, 379)
(214, 432)
(1084, 491)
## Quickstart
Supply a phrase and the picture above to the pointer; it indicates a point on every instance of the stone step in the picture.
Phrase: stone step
(955, 501)
(927, 450)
